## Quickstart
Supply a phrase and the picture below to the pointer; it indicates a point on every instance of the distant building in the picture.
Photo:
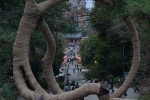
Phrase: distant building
(73, 39)
(77, 10)
(77, 4)
(81, 16)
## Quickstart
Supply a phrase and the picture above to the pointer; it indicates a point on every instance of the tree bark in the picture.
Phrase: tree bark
(20, 52)
(43, 6)
(136, 58)
(92, 88)
(49, 58)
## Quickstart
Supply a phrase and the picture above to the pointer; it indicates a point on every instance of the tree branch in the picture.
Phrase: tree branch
(49, 57)
(136, 58)
(85, 90)
(21, 51)
(43, 6)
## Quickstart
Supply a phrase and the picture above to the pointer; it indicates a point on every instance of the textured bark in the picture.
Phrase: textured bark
(136, 59)
(78, 93)
(49, 58)
(43, 6)
(20, 51)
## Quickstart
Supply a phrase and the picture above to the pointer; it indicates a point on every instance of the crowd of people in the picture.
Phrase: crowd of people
(71, 86)
(109, 83)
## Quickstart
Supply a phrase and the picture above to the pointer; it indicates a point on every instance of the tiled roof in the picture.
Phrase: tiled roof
(75, 35)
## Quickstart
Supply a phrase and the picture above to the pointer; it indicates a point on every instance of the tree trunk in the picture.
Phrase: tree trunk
(20, 52)
(136, 59)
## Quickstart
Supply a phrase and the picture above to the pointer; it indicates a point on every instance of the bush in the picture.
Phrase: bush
(119, 80)
(61, 85)
(60, 79)
(9, 91)
(143, 98)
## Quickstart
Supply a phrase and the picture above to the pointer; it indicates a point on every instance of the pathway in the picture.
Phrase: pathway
(77, 76)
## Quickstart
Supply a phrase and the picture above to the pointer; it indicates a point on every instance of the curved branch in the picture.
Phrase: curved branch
(43, 6)
(20, 83)
(49, 57)
(136, 58)
(78, 93)
(21, 46)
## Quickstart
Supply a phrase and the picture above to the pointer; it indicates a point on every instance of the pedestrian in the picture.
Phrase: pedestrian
(77, 68)
(67, 60)
(125, 94)
(77, 85)
(104, 83)
(111, 85)
(73, 83)
(136, 89)
(69, 86)
(80, 69)
(91, 80)
(96, 80)
(74, 70)
(66, 88)
(72, 87)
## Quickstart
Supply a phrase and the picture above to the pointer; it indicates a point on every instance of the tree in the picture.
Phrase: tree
(106, 57)
(120, 11)
(20, 54)
(31, 18)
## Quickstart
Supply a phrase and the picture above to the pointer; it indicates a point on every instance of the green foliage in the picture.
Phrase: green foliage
(6, 45)
(118, 80)
(102, 56)
(61, 85)
(59, 23)
(59, 53)
(60, 79)
(143, 98)
(100, 19)
(87, 50)
(135, 7)
(37, 41)
(108, 49)
(138, 9)
(8, 91)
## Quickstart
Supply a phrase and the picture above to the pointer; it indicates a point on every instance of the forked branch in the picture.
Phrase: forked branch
(135, 61)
